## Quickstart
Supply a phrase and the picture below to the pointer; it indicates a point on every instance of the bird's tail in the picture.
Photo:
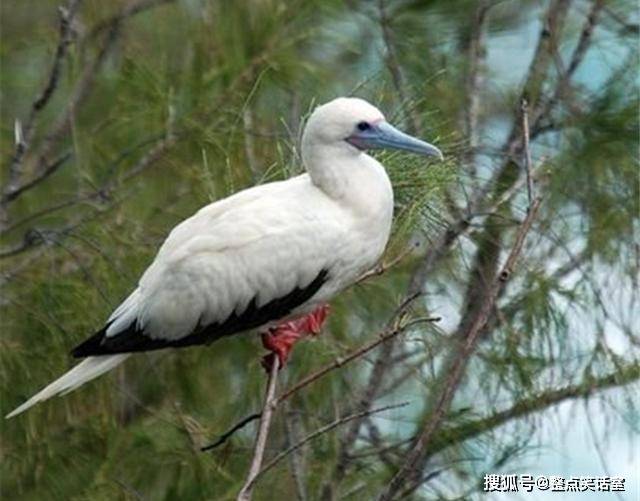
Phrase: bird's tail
(88, 369)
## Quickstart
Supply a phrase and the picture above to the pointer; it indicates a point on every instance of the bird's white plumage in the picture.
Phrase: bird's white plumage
(262, 243)
(88, 369)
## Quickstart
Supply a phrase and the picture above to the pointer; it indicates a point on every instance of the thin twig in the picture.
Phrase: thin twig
(524, 107)
(226, 435)
(538, 402)
(455, 371)
(248, 123)
(627, 27)
(311, 378)
(24, 133)
(475, 76)
(130, 10)
(364, 403)
(44, 173)
(43, 167)
(297, 463)
(393, 63)
(383, 267)
(270, 403)
(544, 109)
(80, 93)
(359, 352)
(320, 431)
(367, 397)
(585, 37)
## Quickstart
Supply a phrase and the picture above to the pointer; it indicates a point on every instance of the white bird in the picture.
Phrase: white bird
(269, 257)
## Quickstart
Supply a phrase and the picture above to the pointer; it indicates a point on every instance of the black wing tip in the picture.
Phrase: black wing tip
(90, 346)
(127, 340)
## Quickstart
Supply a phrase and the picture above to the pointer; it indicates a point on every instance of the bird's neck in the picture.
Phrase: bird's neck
(335, 168)
(329, 166)
(352, 177)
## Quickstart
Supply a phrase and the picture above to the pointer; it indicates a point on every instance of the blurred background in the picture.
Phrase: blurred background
(119, 119)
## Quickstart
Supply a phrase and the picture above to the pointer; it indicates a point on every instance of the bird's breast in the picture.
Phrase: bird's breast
(367, 211)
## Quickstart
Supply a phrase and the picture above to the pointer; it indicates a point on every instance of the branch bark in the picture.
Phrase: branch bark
(475, 77)
(452, 436)
(537, 403)
(24, 134)
(270, 404)
(43, 167)
(383, 337)
(458, 364)
(524, 107)
(584, 42)
(321, 431)
(393, 63)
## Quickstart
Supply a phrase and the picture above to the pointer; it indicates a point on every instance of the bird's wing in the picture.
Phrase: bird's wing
(236, 264)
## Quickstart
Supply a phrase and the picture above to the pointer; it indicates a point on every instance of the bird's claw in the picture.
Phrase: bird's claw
(279, 340)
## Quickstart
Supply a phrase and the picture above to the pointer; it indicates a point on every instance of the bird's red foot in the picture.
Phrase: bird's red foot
(280, 339)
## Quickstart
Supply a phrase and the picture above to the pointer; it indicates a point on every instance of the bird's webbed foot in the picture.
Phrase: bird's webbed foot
(280, 339)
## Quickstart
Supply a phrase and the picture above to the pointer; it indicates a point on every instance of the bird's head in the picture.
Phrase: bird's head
(360, 125)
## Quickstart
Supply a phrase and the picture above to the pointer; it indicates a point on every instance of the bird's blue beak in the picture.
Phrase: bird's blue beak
(381, 135)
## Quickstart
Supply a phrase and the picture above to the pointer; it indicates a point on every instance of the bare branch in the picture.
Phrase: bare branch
(365, 400)
(24, 133)
(41, 176)
(546, 48)
(383, 337)
(475, 74)
(524, 106)
(537, 403)
(627, 27)
(249, 143)
(455, 371)
(393, 63)
(128, 11)
(383, 267)
(270, 403)
(584, 42)
(227, 435)
(82, 89)
(297, 461)
(31, 238)
(321, 431)
(359, 352)
(585, 37)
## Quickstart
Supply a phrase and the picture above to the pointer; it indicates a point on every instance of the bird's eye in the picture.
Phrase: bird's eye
(362, 126)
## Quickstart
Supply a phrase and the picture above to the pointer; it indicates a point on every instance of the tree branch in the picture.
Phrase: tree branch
(128, 11)
(541, 113)
(451, 436)
(458, 364)
(297, 463)
(270, 404)
(537, 403)
(24, 134)
(44, 173)
(475, 74)
(393, 64)
(81, 91)
(321, 431)
(524, 106)
(359, 352)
